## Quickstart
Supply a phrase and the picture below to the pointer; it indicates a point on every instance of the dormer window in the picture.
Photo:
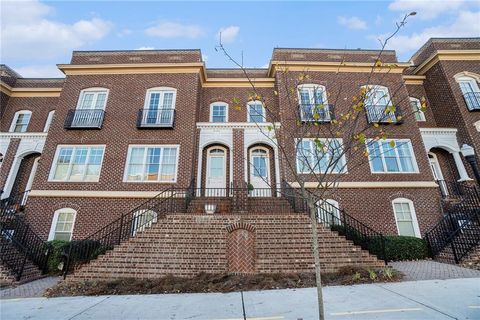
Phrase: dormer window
(20, 121)
(313, 103)
(219, 112)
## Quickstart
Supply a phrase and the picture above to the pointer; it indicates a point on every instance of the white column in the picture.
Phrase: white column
(460, 167)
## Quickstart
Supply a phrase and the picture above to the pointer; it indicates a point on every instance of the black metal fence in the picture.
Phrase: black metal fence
(18, 242)
(155, 118)
(84, 119)
(458, 232)
(381, 114)
(13, 204)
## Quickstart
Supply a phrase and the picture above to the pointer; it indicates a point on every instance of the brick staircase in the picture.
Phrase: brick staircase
(186, 244)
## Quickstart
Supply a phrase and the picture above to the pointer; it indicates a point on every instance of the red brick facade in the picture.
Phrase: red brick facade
(130, 74)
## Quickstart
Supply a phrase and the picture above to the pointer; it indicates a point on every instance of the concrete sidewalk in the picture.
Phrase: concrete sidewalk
(431, 299)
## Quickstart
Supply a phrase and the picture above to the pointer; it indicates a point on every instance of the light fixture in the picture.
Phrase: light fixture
(467, 151)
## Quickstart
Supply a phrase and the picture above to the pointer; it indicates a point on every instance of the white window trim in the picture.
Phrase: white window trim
(15, 118)
(94, 89)
(312, 87)
(343, 157)
(129, 154)
(416, 228)
(263, 111)
(420, 112)
(376, 87)
(470, 79)
(160, 90)
(51, 234)
(414, 159)
(48, 123)
(57, 154)
(219, 103)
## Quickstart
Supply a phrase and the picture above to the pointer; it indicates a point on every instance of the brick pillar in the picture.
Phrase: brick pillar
(240, 194)
(8, 159)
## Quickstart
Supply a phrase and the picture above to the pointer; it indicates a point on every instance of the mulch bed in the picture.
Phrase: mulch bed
(205, 282)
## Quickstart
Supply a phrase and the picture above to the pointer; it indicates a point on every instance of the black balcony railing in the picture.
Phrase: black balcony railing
(155, 118)
(84, 119)
(316, 112)
(381, 114)
(472, 99)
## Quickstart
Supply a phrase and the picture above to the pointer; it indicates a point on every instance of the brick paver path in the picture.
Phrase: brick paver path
(432, 270)
(30, 289)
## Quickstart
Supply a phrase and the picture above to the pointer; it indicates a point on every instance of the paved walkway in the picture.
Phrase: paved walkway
(431, 299)
(431, 270)
(30, 289)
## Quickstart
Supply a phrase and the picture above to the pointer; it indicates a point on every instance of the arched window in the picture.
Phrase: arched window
(143, 219)
(470, 91)
(256, 111)
(20, 122)
(328, 212)
(405, 217)
(219, 112)
(62, 224)
(377, 100)
(416, 108)
(49, 121)
(313, 103)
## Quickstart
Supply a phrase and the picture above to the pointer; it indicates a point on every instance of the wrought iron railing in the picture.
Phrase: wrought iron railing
(125, 227)
(455, 189)
(472, 99)
(459, 229)
(338, 220)
(380, 114)
(13, 204)
(316, 112)
(155, 118)
(84, 119)
(18, 242)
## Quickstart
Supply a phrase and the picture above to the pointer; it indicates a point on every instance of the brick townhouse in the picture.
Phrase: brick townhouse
(100, 145)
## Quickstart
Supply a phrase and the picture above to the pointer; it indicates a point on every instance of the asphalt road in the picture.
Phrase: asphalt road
(431, 299)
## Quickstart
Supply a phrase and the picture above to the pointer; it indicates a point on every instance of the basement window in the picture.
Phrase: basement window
(405, 217)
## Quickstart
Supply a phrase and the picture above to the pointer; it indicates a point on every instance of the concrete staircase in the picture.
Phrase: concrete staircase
(186, 244)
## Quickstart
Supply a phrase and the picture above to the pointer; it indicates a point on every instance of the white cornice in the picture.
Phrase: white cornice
(23, 135)
(372, 184)
(235, 125)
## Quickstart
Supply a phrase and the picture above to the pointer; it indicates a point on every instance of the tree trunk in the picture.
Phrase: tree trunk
(316, 256)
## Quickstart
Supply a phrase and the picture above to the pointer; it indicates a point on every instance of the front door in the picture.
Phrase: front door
(260, 173)
(216, 178)
(437, 173)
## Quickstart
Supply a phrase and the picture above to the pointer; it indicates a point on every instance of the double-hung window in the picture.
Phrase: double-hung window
(388, 157)
(320, 156)
(405, 217)
(20, 121)
(471, 92)
(313, 103)
(256, 112)
(218, 112)
(159, 107)
(62, 224)
(416, 108)
(152, 164)
(77, 163)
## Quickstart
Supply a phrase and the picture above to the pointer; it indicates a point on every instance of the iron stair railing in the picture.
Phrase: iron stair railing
(13, 204)
(346, 225)
(27, 245)
(127, 226)
(459, 229)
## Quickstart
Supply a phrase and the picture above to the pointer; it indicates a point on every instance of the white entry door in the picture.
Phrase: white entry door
(437, 173)
(260, 173)
(216, 179)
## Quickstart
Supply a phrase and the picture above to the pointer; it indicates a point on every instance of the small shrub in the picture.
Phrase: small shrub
(357, 276)
(387, 272)
(398, 248)
(56, 250)
(372, 274)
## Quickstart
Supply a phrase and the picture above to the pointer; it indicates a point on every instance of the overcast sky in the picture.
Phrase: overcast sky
(36, 35)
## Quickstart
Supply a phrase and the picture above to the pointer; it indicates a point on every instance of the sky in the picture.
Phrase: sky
(37, 35)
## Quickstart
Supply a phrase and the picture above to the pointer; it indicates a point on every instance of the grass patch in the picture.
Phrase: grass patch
(205, 282)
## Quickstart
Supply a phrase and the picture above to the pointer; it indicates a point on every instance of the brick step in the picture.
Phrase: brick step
(186, 244)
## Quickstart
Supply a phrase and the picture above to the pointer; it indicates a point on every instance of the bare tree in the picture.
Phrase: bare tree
(322, 139)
